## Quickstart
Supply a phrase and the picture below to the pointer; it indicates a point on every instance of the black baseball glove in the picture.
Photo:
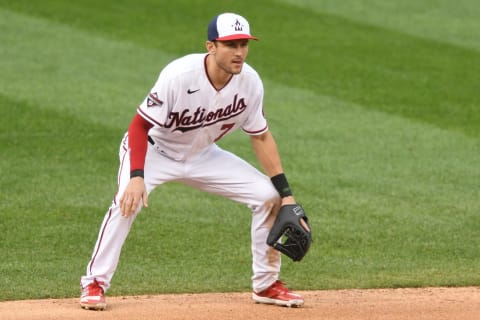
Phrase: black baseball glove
(288, 235)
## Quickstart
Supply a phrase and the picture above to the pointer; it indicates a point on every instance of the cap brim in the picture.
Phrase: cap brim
(236, 37)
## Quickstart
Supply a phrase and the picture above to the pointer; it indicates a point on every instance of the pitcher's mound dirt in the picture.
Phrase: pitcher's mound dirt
(384, 304)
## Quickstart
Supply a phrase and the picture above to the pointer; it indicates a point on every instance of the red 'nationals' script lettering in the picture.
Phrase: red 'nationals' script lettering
(189, 120)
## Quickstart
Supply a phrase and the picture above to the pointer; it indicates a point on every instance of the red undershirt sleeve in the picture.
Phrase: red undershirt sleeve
(138, 142)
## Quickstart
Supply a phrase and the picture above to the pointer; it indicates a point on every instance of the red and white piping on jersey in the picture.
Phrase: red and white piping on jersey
(148, 118)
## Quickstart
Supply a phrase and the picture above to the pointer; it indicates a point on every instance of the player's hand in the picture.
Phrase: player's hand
(134, 193)
(291, 200)
(288, 200)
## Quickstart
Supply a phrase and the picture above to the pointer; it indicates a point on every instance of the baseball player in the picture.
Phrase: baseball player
(197, 100)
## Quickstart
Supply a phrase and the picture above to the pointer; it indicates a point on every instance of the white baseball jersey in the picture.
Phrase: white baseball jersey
(189, 114)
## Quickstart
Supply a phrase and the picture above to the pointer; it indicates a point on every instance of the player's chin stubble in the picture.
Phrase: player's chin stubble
(232, 69)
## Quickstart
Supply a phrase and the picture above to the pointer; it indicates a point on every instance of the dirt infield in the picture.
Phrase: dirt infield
(385, 304)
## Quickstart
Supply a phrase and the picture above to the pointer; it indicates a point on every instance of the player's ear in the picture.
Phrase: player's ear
(210, 46)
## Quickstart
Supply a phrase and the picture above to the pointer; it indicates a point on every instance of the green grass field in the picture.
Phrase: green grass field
(374, 104)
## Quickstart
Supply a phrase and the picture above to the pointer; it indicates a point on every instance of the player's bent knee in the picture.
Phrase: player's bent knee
(266, 194)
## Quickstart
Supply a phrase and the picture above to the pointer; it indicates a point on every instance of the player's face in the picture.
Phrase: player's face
(230, 55)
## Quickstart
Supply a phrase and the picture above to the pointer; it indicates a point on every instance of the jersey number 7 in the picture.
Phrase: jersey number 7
(226, 127)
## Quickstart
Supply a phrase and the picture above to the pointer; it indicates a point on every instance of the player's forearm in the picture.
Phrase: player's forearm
(267, 153)
(137, 143)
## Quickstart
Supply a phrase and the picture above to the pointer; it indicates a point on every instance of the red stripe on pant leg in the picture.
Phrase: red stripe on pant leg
(122, 162)
(110, 210)
(100, 240)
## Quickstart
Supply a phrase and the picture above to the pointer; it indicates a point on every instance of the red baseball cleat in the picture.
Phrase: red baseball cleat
(278, 294)
(93, 297)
